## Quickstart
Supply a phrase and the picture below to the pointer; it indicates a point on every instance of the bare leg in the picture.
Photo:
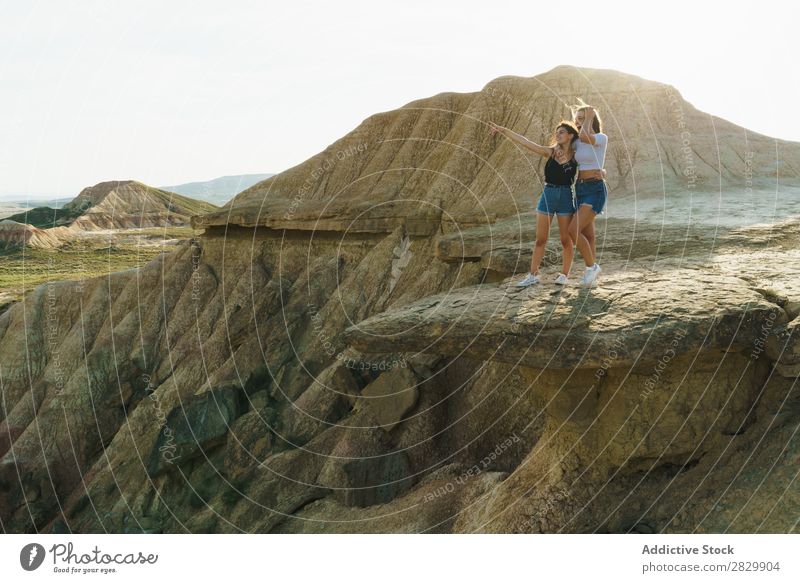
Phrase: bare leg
(573, 228)
(567, 244)
(583, 217)
(542, 231)
(588, 232)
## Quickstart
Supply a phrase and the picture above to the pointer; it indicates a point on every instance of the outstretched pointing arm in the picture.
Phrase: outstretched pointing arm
(521, 140)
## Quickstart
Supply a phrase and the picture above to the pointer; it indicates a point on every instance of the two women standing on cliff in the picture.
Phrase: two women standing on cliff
(556, 199)
(574, 191)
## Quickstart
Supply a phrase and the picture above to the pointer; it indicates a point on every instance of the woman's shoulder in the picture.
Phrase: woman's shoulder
(600, 139)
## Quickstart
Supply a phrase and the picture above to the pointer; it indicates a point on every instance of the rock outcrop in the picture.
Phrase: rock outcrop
(574, 328)
(352, 357)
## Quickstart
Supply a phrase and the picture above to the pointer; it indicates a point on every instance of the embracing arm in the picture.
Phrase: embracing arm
(587, 134)
(521, 140)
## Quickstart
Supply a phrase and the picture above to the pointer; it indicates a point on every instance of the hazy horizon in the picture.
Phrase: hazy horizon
(184, 93)
(11, 197)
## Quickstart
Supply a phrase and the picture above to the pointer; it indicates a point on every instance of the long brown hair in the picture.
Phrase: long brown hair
(571, 129)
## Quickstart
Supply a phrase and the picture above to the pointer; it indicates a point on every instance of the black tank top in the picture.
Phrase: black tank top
(560, 174)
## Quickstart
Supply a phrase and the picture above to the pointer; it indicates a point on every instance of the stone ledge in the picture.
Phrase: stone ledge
(632, 319)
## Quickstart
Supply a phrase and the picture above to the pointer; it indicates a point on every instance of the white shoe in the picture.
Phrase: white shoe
(529, 279)
(561, 279)
(590, 276)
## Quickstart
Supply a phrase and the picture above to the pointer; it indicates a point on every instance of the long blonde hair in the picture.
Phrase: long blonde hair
(597, 123)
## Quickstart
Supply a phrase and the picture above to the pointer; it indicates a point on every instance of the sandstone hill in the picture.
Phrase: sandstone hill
(125, 204)
(341, 351)
(435, 158)
(14, 234)
(118, 204)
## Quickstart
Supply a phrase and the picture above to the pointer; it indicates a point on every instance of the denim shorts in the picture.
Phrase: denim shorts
(556, 200)
(592, 193)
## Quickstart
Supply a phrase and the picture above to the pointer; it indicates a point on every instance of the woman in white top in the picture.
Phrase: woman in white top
(590, 187)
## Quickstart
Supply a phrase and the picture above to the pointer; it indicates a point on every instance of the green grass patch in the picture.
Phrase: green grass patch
(45, 217)
(21, 270)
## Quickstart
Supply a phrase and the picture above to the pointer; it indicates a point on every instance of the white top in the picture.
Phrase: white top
(591, 157)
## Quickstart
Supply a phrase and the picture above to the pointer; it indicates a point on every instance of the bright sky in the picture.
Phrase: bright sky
(170, 92)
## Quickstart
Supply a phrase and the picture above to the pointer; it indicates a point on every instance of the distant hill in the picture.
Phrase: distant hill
(10, 207)
(219, 190)
(122, 204)
(117, 204)
(44, 217)
(14, 234)
(24, 202)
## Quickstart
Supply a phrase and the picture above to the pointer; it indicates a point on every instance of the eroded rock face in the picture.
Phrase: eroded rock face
(196, 426)
(14, 234)
(262, 359)
(124, 204)
(359, 363)
(433, 161)
(647, 371)
(390, 397)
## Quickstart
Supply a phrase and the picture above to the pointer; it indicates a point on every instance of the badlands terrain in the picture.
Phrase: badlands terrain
(117, 204)
(341, 349)
(108, 227)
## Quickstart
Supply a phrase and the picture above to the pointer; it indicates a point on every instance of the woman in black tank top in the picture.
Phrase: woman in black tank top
(560, 174)
(557, 197)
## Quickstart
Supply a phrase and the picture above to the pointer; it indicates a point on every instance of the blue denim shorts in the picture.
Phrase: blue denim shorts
(592, 193)
(556, 200)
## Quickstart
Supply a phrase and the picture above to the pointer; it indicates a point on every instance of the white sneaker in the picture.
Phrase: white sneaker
(561, 279)
(529, 279)
(590, 276)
